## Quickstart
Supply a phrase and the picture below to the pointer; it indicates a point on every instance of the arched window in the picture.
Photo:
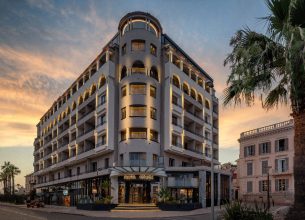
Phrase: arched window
(207, 104)
(123, 72)
(138, 67)
(93, 89)
(193, 94)
(176, 82)
(154, 73)
(86, 96)
(186, 88)
(199, 98)
(73, 106)
(80, 100)
(102, 82)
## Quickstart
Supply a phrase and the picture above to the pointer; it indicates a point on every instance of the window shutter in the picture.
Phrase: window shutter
(276, 185)
(253, 149)
(269, 147)
(287, 164)
(286, 144)
(276, 165)
(276, 146)
(260, 186)
(245, 151)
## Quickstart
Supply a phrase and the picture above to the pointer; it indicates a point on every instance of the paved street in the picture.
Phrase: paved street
(17, 213)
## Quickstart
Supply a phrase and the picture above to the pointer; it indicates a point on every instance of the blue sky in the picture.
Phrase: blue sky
(45, 45)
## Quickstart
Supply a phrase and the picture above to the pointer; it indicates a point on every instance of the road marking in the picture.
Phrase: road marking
(21, 213)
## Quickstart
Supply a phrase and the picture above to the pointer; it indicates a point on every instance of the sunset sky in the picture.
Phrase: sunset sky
(45, 45)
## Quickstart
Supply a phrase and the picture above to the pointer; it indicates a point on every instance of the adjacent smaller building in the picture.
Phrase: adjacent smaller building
(29, 183)
(267, 151)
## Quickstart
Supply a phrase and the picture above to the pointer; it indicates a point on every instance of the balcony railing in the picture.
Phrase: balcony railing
(137, 163)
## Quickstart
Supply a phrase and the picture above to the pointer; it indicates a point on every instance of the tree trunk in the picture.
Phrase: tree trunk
(13, 184)
(298, 211)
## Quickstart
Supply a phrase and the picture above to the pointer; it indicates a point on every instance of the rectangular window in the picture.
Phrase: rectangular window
(102, 119)
(263, 185)
(101, 139)
(106, 163)
(281, 145)
(249, 187)
(137, 111)
(137, 89)
(153, 91)
(123, 113)
(78, 171)
(175, 140)
(155, 160)
(249, 169)
(153, 50)
(264, 167)
(153, 113)
(123, 91)
(281, 165)
(174, 120)
(184, 164)
(123, 49)
(171, 162)
(153, 136)
(281, 184)
(138, 133)
(93, 166)
(249, 150)
(265, 148)
(123, 135)
(103, 99)
(137, 159)
(138, 45)
(174, 100)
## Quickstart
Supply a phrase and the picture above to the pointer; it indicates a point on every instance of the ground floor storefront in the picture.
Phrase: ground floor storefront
(141, 186)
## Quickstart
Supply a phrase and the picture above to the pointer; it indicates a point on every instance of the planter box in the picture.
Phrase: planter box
(179, 207)
(96, 207)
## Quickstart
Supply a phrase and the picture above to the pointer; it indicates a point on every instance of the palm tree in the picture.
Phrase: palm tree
(3, 179)
(272, 66)
(7, 173)
(14, 171)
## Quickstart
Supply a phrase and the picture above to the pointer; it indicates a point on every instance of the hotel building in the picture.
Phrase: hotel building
(267, 151)
(143, 115)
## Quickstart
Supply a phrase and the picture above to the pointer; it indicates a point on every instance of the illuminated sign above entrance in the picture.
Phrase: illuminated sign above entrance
(138, 177)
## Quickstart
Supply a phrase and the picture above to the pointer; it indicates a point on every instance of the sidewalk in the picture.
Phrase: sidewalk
(106, 214)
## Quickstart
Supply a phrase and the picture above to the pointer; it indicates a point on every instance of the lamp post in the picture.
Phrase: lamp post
(211, 85)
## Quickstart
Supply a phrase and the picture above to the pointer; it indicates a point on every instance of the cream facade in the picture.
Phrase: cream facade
(143, 115)
(29, 183)
(269, 149)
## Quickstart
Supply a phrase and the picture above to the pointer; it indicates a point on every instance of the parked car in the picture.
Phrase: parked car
(35, 203)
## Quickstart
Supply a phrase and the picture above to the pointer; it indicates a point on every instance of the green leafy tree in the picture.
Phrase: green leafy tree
(272, 66)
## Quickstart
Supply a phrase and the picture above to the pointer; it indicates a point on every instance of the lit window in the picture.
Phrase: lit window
(138, 133)
(123, 135)
(123, 113)
(137, 111)
(138, 45)
(153, 91)
(137, 89)
(153, 136)
(123, 91)
(153, 113)
(153, 50)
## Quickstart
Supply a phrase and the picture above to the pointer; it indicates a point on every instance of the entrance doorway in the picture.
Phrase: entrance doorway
(135, 192)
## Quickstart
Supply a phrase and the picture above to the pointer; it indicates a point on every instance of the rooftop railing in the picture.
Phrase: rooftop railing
(267, 128)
